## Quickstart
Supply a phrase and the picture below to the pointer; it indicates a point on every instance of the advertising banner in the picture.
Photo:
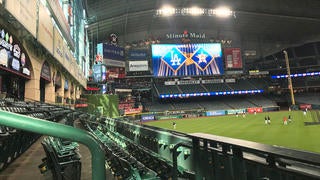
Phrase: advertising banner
(138, 66)
(137, 55)
(113, 52)
(99, 73)
(115, 72)
(170, 117)
(255, 109)
(115, 63)
(234, 111)
(25, 11)
(12, 55)
(132, 111)
(212, 81)
(45, 30)
(148, 117)
(216, 113)
(305, 106)
(233, 58)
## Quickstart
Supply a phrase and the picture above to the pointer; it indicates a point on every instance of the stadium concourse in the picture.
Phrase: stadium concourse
(134, 76)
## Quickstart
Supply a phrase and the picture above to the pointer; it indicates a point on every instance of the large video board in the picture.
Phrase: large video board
(187, 59)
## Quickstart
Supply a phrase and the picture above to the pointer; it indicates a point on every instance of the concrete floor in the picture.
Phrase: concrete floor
(26, 166)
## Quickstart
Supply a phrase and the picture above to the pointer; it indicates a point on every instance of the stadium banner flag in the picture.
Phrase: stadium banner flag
(216, 113)
(147, 117)
(137, 54)
(113, 52)
(138, 66)
(234, 111)
(232, 58)
(254, 109)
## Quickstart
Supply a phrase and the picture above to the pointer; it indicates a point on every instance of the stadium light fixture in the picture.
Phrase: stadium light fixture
(166, 11)
(195, 11)
(223, 12)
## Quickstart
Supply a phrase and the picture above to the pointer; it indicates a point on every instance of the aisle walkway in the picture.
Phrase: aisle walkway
(26, 166)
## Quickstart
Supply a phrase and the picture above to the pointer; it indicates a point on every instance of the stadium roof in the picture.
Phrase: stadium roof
(263, 26)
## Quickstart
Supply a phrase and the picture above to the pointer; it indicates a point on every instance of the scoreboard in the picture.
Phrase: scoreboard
(187, 59)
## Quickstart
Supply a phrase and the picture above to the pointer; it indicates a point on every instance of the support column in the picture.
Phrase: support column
(50, 94)
(32, 91)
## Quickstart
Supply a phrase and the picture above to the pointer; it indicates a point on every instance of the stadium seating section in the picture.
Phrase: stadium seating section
(134, 151)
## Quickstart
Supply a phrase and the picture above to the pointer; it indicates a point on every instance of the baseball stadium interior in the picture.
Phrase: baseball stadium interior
(84, 82)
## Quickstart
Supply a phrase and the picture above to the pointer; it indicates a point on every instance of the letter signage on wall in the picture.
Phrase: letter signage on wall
(45, 29)
(58, 47)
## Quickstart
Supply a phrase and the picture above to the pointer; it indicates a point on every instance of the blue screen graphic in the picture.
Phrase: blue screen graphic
(187, 59)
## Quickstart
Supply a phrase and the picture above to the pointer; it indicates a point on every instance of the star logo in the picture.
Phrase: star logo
(202, 58)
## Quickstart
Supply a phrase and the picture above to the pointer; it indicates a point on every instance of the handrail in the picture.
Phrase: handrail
(62, 131)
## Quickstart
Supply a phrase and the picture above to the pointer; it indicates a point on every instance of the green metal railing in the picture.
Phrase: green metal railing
(62, 131)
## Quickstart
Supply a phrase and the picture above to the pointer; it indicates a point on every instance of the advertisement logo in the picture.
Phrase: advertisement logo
(174, 59)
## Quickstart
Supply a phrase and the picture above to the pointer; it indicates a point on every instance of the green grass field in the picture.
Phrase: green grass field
(253, 128)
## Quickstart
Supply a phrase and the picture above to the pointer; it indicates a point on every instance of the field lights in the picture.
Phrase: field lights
(166, 11)
(222, 12)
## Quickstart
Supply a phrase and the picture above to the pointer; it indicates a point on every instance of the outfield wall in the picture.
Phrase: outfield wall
(200, 113)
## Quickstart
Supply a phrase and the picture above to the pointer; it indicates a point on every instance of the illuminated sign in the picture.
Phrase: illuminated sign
(15, 64)
(296, 75)
(187, 59)
(233, 58)
(186, 34)
(11, 54)
(218, 93)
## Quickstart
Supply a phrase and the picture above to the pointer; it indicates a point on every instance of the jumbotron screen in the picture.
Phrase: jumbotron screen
(187, 59)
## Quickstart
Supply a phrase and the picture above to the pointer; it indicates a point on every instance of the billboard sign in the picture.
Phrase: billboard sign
(216, 113)
(137, 55)
(233, 58)
(113, 52)
(148, 117)
(254, 109)
(138, 66)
